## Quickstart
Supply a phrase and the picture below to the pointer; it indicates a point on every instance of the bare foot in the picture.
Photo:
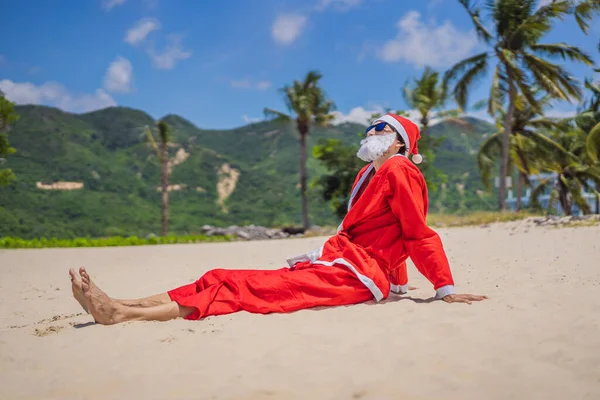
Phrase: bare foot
(78, 290)
(104, 310)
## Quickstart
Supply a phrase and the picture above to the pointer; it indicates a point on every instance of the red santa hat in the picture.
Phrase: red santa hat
(408, 130)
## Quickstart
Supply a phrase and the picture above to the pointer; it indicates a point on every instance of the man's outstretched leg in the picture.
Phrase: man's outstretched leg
(151, 301)
(227, 291)
(107, 311)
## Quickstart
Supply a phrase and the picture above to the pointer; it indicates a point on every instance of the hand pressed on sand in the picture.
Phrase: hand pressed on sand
(463, 298)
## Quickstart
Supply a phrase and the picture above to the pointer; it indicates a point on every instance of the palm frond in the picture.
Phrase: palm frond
(517, 154)
(564, 51)
(578, 119)
(276, 116)
(311, 80)
(475, 15)
(150, 139)
(536, 192)
(540, 21)
(508, 58)
(548, 145)
(460, 67)
(496, 98)
(592, 86)
(592, 143)
(553, 78)
(584, 11)
(574, 187)
(463, 86)
(544, 123)
(488, 153)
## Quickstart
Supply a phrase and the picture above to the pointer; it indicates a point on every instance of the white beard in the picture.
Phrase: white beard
(374, 146)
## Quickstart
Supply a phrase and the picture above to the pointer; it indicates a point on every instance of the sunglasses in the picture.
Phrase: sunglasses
(379, 127)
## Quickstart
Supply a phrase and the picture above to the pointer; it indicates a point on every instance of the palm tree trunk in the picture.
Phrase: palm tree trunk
(303, 179)
(506, 144)
(520, 183)
(563, 195)
(424, 125)
(164, 184)
(597, 199)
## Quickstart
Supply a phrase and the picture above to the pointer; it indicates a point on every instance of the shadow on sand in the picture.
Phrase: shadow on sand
(84, 325)
(392, 298)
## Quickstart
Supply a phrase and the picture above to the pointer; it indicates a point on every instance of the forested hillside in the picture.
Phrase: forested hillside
(93, 174)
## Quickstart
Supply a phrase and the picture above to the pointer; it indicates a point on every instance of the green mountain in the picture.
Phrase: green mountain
(247, 175)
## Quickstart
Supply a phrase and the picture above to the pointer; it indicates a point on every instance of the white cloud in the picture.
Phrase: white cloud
(172, 52)
(263, 85)
(118, 76)
(341, 5)
(250, 120)
(427, 44)
(110, 4)
(140, 31)
(247, 83)
(362, 115)
(357, 115)
(55, 94)
(287, 28)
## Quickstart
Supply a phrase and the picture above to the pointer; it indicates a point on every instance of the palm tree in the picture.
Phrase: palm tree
(7, 116)
(162, 152)
(592, 105)
(526, 123)
(427, 95)
(519, 58)
(308, 101)
(574, 169)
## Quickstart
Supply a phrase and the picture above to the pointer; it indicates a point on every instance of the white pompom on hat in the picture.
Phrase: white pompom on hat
(408, 130)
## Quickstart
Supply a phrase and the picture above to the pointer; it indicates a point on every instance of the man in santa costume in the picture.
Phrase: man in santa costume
(365, 260)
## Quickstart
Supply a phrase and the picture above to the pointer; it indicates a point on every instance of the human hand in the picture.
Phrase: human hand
(463, 298)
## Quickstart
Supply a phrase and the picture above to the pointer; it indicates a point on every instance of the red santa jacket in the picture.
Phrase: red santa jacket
(386, 224)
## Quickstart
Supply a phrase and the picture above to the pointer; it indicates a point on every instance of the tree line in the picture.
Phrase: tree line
(527, 78)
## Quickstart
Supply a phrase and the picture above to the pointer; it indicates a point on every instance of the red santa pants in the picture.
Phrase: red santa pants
(305, 285)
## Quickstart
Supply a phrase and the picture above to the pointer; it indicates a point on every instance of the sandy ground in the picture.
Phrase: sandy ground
(538, 337)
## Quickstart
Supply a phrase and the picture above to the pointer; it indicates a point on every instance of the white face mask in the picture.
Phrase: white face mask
(374, 146)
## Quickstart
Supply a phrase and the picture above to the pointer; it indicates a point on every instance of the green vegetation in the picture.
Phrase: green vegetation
(514, 30)
(103, 175)
(476, 218)
(162, 153)
(7, 116)
(121, 194)
(17, 243)
(308, 102)
(429, 97)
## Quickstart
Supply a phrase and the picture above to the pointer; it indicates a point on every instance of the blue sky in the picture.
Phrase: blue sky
(219, 63)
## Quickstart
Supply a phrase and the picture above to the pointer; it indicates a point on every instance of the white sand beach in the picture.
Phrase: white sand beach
(537, 337)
